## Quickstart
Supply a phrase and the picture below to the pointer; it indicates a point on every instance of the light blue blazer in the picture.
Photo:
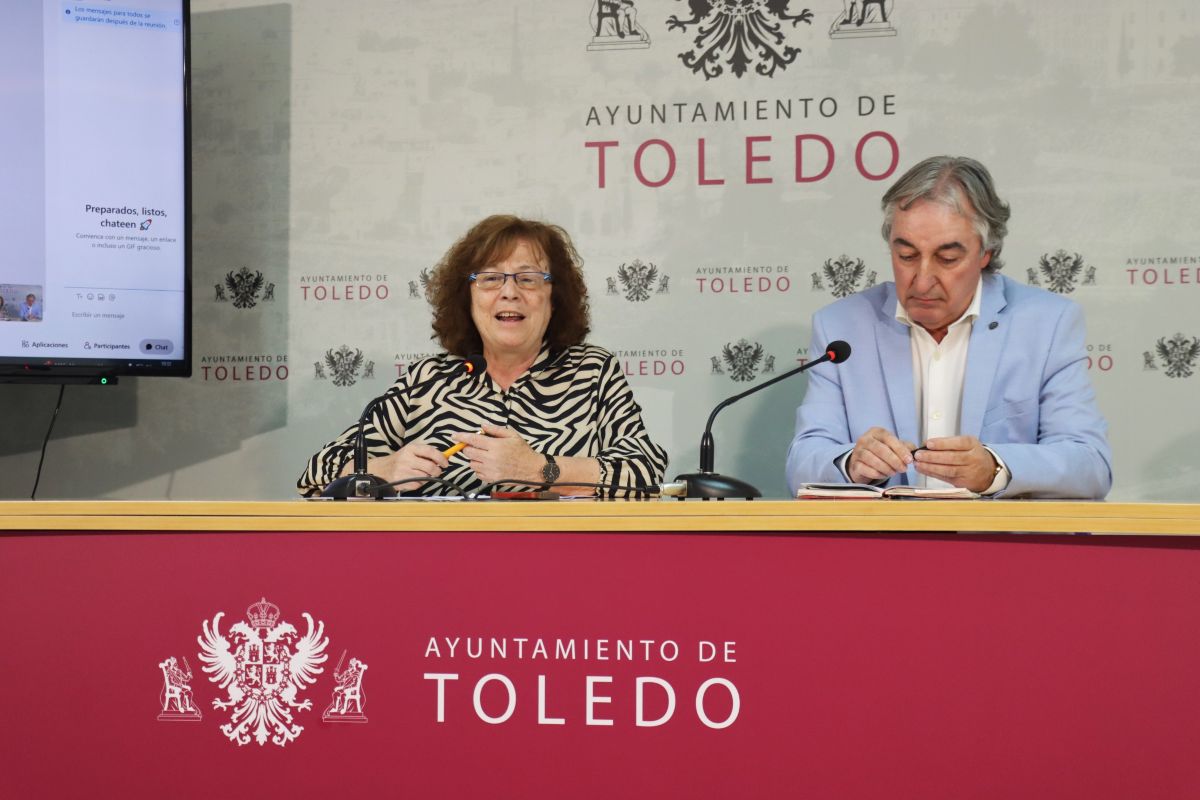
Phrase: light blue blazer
(1026, 394)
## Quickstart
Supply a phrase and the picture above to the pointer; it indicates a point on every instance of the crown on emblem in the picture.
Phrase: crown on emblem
(263, 614)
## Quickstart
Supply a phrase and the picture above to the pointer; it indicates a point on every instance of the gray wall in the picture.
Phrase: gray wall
(339, 149)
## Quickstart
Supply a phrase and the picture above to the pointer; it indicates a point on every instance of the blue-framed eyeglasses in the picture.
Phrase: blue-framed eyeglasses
(490, 281)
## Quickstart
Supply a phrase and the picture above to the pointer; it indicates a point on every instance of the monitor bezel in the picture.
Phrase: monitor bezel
(81, 370)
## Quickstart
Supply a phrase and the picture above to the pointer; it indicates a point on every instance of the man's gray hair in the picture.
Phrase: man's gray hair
(958, 183)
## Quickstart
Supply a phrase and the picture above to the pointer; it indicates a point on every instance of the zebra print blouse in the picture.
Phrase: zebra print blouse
(572, 403)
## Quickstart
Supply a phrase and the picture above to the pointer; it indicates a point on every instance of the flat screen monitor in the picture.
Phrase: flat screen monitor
(95, 233)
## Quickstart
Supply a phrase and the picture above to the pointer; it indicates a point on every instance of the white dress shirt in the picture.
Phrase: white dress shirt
(939, 371)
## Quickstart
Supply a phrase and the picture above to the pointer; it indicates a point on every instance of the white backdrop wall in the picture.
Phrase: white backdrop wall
(338, 150)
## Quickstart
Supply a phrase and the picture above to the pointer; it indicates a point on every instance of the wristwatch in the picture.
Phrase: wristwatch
(550, 470)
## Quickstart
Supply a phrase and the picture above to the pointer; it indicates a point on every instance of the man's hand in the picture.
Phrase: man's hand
(878, 455)
(958, 460)
(500, 453)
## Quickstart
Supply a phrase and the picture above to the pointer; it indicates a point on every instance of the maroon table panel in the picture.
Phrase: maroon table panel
(899, 666)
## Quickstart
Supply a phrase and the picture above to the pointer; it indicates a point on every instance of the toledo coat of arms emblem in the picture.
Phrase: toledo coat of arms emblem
(264, 665)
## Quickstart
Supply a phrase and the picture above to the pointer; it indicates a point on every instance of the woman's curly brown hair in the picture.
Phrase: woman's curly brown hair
(490, 241)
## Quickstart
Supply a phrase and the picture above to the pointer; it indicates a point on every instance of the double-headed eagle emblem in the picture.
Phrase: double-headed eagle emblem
(264, 665)
(344, 365)
(638, 279)
(844, 275)
(244, 287)
(742, 359)
(740, 33)
(1178, 355)
(1061, 270)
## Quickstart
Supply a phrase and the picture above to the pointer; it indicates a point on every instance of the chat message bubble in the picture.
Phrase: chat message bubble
(118, 17)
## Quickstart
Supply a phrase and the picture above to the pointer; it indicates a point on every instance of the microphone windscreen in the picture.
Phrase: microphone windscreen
(474, 364)
(838, 351)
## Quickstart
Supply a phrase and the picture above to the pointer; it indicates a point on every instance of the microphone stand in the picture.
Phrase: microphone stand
(360, 483)
(709, 485)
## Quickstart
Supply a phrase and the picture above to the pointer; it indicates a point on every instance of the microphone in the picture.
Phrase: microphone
(709, 485)
(361, 483)
(476, 364)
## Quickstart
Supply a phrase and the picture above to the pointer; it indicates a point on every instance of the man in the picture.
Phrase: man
(31, 311)
(989, 375)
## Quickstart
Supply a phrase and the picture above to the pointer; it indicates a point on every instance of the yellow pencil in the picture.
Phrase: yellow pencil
(451, 450)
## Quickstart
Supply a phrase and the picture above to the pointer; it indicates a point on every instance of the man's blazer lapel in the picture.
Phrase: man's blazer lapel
(988, 336)
(895, 355)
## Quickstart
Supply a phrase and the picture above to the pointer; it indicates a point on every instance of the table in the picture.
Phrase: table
(841, 649)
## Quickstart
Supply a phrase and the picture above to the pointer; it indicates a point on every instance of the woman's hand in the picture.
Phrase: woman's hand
(410, 461)
(499, 453)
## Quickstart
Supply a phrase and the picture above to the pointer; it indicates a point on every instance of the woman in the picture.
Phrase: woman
(548, 407)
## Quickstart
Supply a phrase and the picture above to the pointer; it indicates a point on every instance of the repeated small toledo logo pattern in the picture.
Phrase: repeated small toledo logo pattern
(263, 665)
(1178, 356)
(843, 276)
(418, 289)
(343, 366)
(744, 34)
(637, 281)
(741, 361)
(1060, 272)
(245, 289)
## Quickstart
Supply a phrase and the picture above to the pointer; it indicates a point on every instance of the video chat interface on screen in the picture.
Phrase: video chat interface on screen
(93, 223)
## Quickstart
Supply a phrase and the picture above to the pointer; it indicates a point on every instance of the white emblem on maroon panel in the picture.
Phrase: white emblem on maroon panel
(175, 700)
(348, 697)
(264, 665)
